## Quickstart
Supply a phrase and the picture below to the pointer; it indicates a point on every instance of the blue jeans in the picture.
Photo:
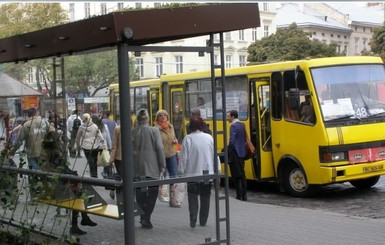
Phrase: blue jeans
(172, 167)
(33, 164)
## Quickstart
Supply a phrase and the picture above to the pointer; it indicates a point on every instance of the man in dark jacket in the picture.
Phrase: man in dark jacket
(237, 153)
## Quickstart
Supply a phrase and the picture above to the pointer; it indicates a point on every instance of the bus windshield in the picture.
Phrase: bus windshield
(351, 91)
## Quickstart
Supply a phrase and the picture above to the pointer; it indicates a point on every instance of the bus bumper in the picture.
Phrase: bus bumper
(336, 174)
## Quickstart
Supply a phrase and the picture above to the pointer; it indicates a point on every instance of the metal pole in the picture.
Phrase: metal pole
(125, 122)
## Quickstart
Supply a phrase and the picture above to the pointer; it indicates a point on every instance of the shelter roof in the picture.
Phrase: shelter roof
(139, 27)
(11, 87)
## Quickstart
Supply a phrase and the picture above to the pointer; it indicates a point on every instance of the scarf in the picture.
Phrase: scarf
(163, 124)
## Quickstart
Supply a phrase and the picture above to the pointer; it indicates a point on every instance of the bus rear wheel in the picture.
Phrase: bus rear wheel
(295, 182)
(365, 183)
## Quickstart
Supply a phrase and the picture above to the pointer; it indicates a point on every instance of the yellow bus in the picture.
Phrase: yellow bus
(314, 122)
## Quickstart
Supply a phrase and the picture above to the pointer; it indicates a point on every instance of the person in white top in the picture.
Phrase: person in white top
(197, 158)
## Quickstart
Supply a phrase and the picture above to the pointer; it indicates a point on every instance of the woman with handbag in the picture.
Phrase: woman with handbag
(169, 142)
(91, 140)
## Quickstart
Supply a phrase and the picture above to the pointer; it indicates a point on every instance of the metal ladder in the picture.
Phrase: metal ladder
(217, 84)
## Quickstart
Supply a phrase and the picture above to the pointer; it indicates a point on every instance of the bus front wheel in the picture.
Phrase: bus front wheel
(295, 182)
(365, 183)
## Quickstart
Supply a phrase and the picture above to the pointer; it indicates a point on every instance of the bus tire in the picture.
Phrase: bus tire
(295, 182)
(365, 183)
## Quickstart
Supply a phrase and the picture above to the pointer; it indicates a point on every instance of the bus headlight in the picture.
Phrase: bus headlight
(333, 156)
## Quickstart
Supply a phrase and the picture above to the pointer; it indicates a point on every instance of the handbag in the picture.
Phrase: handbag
(250, 149)
(103, 158)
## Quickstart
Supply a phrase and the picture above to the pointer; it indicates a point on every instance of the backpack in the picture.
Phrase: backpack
(76, 124)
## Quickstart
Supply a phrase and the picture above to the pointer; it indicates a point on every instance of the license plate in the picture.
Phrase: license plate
(373, 168)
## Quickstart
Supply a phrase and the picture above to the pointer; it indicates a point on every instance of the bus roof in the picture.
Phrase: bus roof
(276, 66)
(139, 27)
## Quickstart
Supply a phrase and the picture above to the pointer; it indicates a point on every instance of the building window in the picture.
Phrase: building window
(364, 29)
(265, 31)
(331, 35)
(242, 60)
(139, 66)
(227, 36)
(265, 7)
(138, 5)
(120, 6)
(323, 34)
(179, 64)
(216, 59)
(103, 8)
(29, 75)
(345, 37)
(356, 46)
(242, 35)
(87, 10)
(338, 36)
(355, 28)
(72, 11)
(314, 33)
(158, 66)
(254, 34)
(364, 41)
(229, 61)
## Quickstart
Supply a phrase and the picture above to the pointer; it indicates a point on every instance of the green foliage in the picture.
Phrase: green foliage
(18, 18)
(95, 70)
(289, 44)
(377, 43)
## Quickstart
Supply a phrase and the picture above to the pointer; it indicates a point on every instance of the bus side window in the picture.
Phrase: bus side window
(298, 105)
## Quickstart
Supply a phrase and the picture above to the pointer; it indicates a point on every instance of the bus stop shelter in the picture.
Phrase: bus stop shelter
(131, 31)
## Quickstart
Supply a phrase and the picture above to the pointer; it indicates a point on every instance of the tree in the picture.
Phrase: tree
(19, 18)
(377, 43)
(289, 44)
(95, 71)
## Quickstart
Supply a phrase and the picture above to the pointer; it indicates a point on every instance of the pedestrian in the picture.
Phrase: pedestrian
(148, 164)
(116, 156)
(104, 129)
(197, 158)
(33, 133)
(169, 144)
(237, 153)
(91, 140)
(73, 124)
(107, 121)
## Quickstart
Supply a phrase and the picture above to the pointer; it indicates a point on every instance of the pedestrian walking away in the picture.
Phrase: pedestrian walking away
(149, 164)
(197, 158)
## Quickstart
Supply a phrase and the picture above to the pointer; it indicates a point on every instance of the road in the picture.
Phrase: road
(339, 198)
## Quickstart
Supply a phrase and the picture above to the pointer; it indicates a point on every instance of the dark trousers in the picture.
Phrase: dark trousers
(146, 200)
(237, 169)
(202, 189)
(92, 157)
(75, 215)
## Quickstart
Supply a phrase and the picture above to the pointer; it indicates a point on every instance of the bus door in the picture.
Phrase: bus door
(177, 112)
(260, 127)
(153, 98)
(174, 106)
